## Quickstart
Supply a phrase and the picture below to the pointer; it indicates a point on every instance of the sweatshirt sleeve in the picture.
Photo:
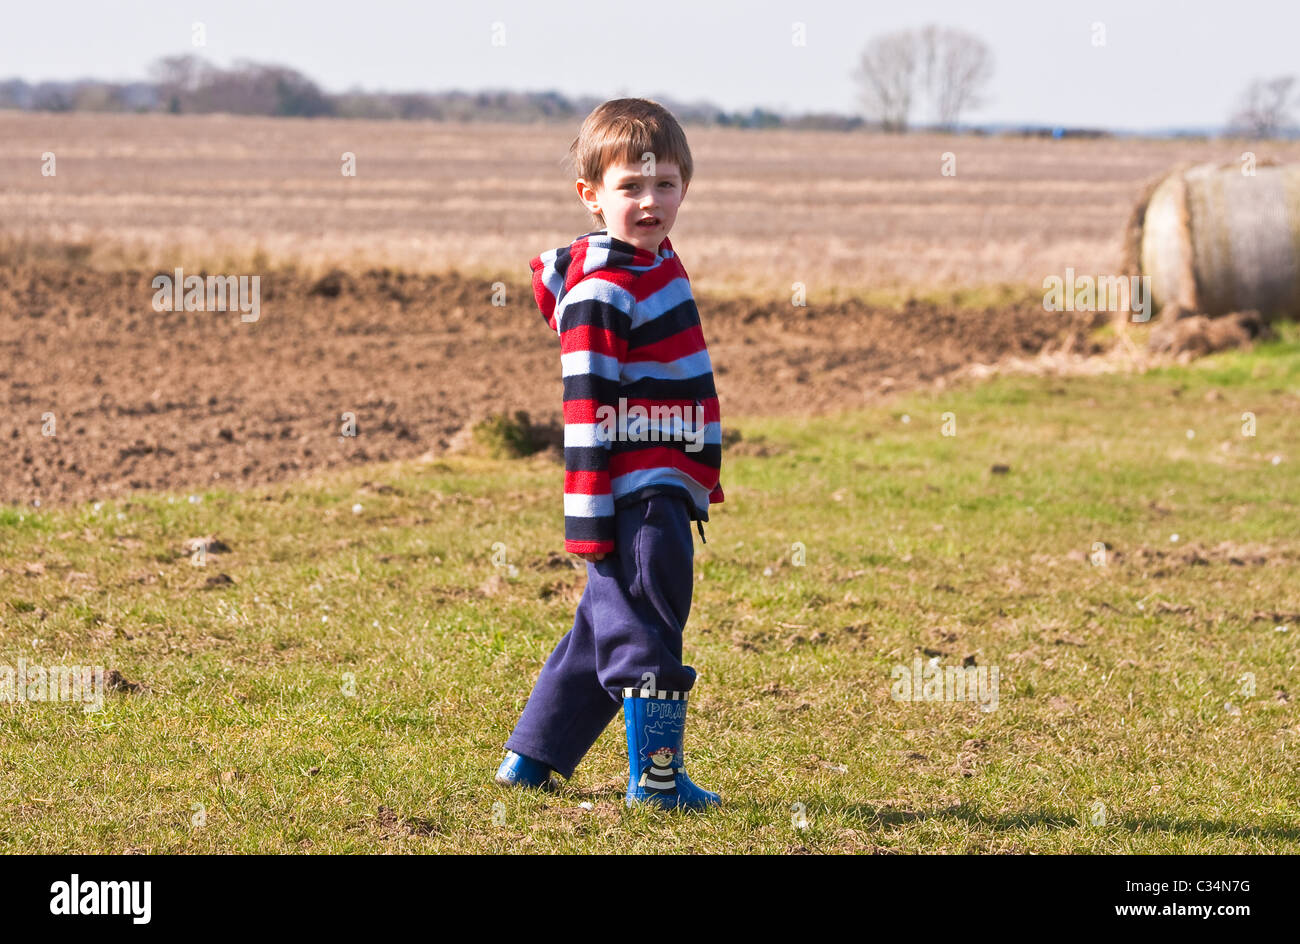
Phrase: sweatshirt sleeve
(595, 322)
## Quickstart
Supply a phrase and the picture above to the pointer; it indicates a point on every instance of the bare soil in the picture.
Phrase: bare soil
(148, 400)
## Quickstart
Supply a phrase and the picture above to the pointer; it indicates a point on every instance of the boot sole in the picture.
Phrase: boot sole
(548, 787)
(683, 807)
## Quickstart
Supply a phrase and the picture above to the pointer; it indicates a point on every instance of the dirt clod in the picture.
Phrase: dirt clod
(115, 681)
(1187, 336)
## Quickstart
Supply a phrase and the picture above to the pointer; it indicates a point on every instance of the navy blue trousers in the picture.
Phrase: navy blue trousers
(629, 623)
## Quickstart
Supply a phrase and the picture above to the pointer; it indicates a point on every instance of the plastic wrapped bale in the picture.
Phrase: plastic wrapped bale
(1215, 240)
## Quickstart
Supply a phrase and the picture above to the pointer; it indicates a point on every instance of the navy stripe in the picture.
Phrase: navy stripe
(586, 458)
(709, 454)
(675, 320)
(588, 529)
(661, 388)
(592, 387)
(593, 311)
(563, 258)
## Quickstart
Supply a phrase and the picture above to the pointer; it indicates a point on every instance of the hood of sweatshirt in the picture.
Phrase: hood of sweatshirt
(556, 271)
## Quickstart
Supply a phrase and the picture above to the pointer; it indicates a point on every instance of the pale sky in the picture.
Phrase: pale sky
(1164, 63)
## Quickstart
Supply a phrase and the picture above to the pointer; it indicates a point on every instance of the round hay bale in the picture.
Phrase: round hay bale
(1214, 240)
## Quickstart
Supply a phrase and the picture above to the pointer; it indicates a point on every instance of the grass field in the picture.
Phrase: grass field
(348, 683)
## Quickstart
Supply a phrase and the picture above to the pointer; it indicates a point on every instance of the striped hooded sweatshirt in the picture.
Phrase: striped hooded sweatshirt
(640, 410)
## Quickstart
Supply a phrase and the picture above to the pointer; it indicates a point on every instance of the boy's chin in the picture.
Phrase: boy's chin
(648, 241)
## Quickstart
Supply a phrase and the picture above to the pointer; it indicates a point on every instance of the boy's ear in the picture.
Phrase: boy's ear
(587, 195)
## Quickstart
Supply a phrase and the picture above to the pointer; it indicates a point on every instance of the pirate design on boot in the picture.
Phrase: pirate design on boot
(655, 723)
(659, 775)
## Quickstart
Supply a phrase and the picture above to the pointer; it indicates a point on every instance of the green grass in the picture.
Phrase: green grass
(351, 689)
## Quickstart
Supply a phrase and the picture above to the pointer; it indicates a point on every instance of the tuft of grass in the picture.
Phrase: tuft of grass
(503, 436)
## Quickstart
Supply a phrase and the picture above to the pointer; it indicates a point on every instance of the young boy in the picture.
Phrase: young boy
(642, 451)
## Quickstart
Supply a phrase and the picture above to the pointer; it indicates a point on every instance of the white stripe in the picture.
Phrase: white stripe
(577, 363)
(588, 506)
(661, 301)
(601, 290)
(582, 435)
(660, 694)
(552, 280)
(603, 244)
(597, 256)
(683, 368)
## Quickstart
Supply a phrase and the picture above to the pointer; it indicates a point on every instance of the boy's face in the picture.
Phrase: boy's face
(626, 197)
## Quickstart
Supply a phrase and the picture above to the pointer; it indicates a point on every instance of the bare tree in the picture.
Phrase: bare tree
(950, 67)
(887, 75)
(1264, 108)
(178, 78)
(956, 69)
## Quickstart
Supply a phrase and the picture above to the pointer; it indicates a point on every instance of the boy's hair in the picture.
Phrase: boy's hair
(624, 129)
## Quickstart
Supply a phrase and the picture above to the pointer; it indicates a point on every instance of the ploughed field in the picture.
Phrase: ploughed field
(377, 289)
(142, 399)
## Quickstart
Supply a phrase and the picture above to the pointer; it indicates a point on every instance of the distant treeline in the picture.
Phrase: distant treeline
(189, 85)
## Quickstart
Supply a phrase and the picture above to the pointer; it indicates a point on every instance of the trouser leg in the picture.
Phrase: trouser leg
(641, 598)
(627, 633)
(568, 708)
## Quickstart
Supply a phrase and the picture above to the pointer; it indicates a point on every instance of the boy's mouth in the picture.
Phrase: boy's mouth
(648, 224)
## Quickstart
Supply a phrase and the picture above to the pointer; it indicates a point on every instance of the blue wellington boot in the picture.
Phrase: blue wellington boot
(656, 721)
(520, 771)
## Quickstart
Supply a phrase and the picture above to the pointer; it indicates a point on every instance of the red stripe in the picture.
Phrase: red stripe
(588, 547)
(577, 265)
(670, 349)
(652, 281)
(545, 300)
(662, 457)
(586, 483)
(584, 411)
(619, 277)
(592, 338)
